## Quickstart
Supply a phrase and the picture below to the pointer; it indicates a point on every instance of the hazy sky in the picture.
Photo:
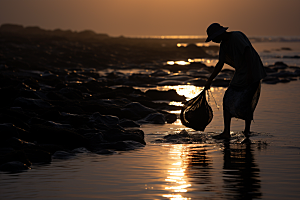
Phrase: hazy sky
(156, 17)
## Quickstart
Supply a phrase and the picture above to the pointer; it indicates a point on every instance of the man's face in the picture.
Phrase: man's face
(217, 39)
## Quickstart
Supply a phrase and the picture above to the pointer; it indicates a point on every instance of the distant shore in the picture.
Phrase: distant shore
(100, 49)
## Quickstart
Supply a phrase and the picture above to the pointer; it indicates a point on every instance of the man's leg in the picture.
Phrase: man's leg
(247, 127)
(227, 121)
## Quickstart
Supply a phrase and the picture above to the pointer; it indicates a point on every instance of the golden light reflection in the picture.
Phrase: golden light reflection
(203, 44)
(176, 177)
(182, 44)
(208, 62)
(189, 91)
(176, 103)
(179, 62)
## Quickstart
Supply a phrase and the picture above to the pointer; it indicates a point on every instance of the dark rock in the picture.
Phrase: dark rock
(279, 65)
(105, 119)
(60, 136)
(139, 109)
(62, 155)
(51, 148)
(71, 93)
(17, 155)
(94, 139)
(170, 82)
(271, 80)
(14, 167)
(80, 150)
(297, 72)
(170, 118)
(57, 125)
(198, 82)
(164, 95)
(7, 131)
(52, 114)
(106, 151)
(18, 144)
(36, 155)
(128, 123)
(154, 118)
(27, 103)
(75, 120)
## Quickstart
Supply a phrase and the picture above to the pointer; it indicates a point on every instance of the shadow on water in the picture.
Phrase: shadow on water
(240, 177)
(240, 172)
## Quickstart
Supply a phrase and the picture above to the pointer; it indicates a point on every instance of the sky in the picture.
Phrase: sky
(156, 17)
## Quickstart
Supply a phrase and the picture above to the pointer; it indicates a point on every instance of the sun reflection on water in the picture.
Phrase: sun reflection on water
(189, 91)
(177, 182)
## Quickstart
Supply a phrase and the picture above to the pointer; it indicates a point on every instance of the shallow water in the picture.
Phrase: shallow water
(268, 168)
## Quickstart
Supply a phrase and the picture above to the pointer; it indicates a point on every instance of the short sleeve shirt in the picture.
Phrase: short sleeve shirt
(232, 53)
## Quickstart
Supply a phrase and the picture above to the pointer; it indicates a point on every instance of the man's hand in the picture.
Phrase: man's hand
(207, 85)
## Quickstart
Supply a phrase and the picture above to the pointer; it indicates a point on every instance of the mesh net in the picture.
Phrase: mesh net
(196, 113)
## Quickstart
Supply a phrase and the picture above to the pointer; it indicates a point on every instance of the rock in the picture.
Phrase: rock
(170, 82)
(270, 70)
(14, 167)
(71, 93)
(36, 155)
(179, 78)
(57, 125)
(128, 123)
(164, 95)
(154, 118)
(51, 148)
(62, 155)
(170, 118)
(105, 151)
(105, 119)
(283, 74)
(198, 73)
(279, 65)
(15, 156)
(18, 144)
(161, 72)
(271, 80)
(27, 103)
(80, 150)
(59, 136)
(138, 109)
(197, 82)
(8, 130)
(94, 139)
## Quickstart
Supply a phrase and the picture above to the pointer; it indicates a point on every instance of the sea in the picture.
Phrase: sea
(266, 167)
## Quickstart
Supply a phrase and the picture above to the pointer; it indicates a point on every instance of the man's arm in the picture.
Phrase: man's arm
(216, 71)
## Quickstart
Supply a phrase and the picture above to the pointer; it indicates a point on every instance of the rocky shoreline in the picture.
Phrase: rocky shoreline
(58, 99)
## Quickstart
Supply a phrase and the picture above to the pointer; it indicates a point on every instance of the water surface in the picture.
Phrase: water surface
(268, 168)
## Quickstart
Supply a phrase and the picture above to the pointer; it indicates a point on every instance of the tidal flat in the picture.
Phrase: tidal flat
(84, 117)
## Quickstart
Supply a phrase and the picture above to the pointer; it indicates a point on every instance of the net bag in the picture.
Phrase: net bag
(196, 113)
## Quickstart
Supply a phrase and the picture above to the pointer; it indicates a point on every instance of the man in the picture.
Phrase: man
(241, 97)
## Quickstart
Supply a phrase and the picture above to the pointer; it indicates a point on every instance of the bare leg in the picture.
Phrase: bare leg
(247, 128)
(227, 121)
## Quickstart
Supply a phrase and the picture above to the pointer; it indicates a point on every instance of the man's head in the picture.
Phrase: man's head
(214, 32)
